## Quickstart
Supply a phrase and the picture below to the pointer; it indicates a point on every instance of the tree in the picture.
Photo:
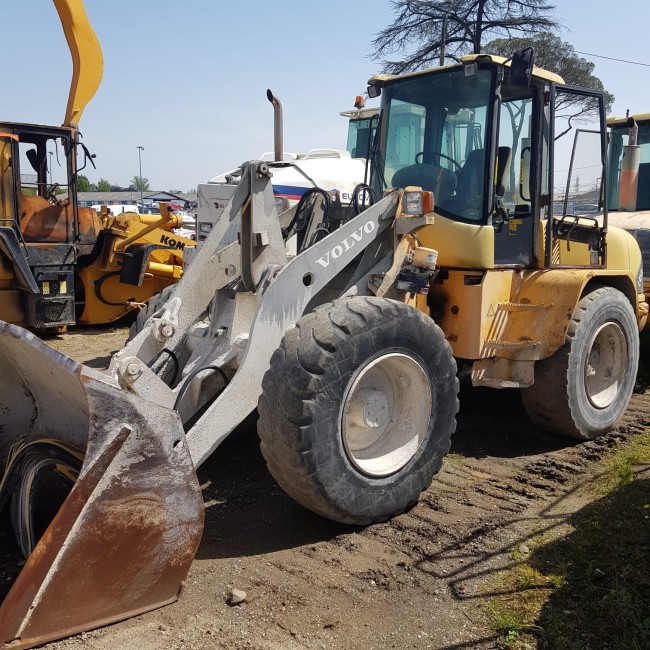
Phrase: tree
(83, 184)
(135, 181)
(417, 29)
(555, 55)
(103, 185)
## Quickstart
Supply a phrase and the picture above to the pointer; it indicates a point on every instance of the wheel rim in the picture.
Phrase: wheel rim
(605, 365)
(385, 414)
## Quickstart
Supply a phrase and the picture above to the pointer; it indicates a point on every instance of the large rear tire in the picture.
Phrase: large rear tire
(358, 408)
(584, 388)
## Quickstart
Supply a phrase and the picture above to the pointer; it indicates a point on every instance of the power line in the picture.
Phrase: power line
(610, 58)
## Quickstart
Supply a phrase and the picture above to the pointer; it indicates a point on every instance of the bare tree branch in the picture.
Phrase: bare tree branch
(416, 32)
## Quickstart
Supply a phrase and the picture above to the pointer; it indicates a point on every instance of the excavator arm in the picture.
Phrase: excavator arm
(87, 58)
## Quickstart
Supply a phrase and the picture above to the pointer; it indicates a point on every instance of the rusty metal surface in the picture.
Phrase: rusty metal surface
(124, 540)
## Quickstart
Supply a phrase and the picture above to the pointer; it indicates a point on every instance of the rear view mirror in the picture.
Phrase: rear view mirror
(374, 91)
(521, 69)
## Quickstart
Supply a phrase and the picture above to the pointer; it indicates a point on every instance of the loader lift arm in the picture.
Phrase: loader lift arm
(284, 290)
(142, 430)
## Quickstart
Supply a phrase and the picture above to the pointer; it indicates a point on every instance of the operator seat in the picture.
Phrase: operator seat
(431, 178)
(467, 202)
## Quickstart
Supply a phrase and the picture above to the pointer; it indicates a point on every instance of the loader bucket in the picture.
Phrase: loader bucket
(124, 538)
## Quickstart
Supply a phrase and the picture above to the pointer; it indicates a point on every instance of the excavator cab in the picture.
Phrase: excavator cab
(43, 232)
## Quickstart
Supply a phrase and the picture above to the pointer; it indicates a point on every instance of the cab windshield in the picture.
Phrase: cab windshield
(433, 135)
(618, 138)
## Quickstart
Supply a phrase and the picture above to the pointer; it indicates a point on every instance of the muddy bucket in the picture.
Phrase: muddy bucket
(100, 502)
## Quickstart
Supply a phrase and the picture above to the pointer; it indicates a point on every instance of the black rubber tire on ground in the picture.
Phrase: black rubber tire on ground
(153, 305)
(603, 336)
(315, 372)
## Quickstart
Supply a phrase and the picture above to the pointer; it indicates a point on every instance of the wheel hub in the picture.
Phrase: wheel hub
(369, 408)
(605, 365)
(385, 414)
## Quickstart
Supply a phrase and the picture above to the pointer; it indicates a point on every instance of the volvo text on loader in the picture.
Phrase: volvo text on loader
(61, 264)
(348, 349)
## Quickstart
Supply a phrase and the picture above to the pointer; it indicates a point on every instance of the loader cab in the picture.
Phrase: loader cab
(41, 237)
(619, 129)
(39, 197)
(628, 182)
(498, 157)
(362, 125)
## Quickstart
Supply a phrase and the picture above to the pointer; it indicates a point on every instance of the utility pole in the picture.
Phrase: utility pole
(140, 150)
(444, 39)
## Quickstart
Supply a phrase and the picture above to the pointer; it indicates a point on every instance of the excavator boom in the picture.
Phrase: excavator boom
(87, 58)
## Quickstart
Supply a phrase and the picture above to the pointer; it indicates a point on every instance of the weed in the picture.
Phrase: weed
(455, 458)
(620, 468)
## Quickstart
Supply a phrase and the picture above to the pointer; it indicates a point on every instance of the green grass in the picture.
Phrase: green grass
(589, 587)
(455, 458)
(620, 468)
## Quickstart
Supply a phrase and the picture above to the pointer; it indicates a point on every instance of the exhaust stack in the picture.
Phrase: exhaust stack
(278, 136)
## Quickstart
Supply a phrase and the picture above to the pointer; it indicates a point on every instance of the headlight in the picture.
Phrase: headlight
(417, 202)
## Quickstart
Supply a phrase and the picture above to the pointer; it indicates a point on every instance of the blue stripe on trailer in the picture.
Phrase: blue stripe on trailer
(290, 191)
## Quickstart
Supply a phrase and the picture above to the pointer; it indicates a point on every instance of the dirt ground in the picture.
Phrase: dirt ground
(418, 581)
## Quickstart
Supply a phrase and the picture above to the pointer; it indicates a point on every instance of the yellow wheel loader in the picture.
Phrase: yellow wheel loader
(348, 349)
(61, 264)
(629, 181)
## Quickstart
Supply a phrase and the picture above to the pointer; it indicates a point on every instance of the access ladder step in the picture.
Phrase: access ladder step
(522, 306)
(511, 345)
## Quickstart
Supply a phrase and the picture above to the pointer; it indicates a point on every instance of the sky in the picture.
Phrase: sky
(187, 81)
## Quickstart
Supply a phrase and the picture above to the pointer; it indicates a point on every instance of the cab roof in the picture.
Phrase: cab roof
(539, 73)
(617, 121)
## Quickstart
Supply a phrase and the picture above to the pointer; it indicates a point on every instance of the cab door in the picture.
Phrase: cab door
(514, 233)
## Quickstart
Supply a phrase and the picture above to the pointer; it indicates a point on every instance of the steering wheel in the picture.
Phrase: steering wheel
(420, 156)
(50, 192)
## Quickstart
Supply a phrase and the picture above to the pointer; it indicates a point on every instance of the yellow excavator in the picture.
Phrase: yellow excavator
(348, 347)
(61, 264)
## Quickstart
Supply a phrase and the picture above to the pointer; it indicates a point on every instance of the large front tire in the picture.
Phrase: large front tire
(584, 388)
(358, 408)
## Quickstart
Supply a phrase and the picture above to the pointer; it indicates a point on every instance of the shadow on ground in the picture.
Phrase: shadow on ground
(590, 565)
(604, 601)
(493, 423)
(248, 514)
